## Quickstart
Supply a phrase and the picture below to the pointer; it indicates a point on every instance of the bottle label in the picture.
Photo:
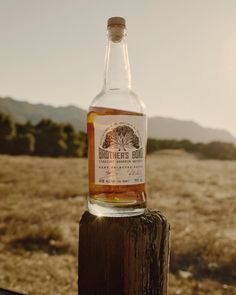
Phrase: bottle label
(120, 149)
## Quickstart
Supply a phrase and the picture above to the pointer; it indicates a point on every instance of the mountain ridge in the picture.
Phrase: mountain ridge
(168, 128)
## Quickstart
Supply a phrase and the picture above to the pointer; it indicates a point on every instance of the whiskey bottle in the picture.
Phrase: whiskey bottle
(117, 128)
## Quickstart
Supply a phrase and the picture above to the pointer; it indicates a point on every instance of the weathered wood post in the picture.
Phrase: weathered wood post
(123, 256)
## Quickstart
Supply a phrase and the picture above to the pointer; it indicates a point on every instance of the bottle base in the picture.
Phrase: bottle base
(106, 209)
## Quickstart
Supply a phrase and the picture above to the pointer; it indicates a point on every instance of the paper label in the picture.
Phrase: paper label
(120, 143)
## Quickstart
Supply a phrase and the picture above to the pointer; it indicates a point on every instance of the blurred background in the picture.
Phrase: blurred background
(183, 63)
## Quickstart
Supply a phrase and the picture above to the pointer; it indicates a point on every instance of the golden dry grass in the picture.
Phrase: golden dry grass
(41, 202)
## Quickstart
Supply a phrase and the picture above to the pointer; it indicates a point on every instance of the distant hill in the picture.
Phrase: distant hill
(158, 127)
(22, 111)
(168, 128)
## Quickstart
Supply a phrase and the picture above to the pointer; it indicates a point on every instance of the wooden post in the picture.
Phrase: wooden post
(123, 255)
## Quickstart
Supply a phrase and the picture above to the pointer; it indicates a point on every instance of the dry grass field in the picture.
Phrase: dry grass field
(41, 202)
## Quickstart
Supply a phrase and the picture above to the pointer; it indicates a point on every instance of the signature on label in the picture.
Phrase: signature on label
(135, 172)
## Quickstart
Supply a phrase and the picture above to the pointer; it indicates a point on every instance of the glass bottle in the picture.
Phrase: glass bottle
(117, 127)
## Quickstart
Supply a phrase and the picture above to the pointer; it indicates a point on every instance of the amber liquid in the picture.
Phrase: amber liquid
(116, 195)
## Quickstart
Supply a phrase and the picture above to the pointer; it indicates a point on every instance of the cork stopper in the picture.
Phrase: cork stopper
(116, 28)
(116, 21)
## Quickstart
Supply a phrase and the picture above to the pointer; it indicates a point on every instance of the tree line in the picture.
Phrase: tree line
(47, 139)
(50, 139)
(213, 150)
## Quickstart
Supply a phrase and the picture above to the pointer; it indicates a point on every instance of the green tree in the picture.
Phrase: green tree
(7, 126)
(83, 150)
(26, 128)
(50, 139)
(7, 132)
(72, 141)
(23, 144)
(152, 145)
(187, 145)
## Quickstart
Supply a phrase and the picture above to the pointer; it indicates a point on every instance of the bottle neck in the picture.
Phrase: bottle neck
(117, 67)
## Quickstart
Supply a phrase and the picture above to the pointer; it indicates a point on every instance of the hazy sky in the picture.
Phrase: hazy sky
(182, 54)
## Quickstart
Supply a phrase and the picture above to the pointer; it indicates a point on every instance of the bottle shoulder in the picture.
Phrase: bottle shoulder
(126, 100)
